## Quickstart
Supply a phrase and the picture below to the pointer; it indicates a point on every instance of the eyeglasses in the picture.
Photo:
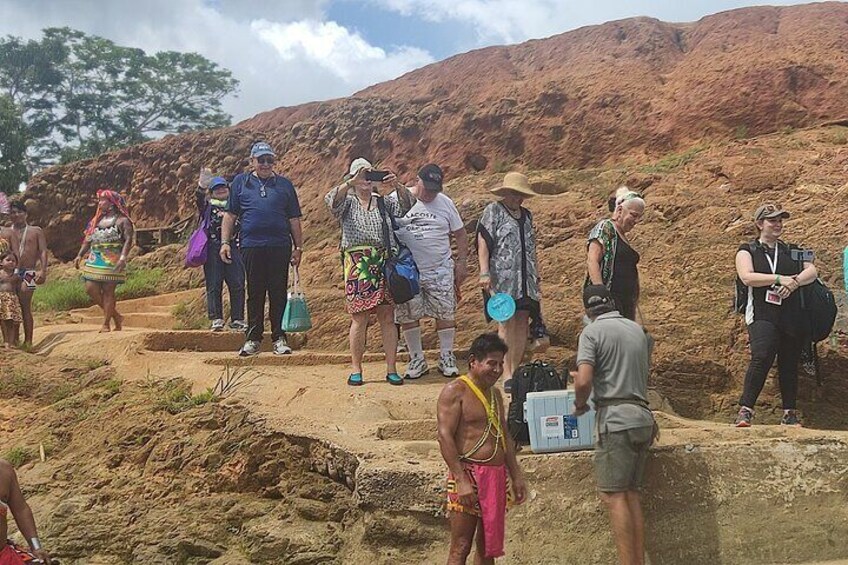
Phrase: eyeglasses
(265, 160)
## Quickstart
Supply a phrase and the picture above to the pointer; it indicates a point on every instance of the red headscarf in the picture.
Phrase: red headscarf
(115, 199)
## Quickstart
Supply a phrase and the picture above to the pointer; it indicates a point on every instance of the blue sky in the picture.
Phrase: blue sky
(287, 52)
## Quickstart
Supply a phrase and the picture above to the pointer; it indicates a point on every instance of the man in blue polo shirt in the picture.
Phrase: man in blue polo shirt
(271, 239)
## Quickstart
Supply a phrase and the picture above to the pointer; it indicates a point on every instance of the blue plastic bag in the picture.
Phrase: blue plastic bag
(296, 316)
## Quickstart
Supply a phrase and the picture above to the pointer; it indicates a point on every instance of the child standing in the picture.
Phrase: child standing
(10, 306)
(213, 202)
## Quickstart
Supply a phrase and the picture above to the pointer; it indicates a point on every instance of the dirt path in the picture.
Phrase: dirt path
(381, 442)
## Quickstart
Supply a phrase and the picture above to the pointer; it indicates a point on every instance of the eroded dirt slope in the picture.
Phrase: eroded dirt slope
(636, 87)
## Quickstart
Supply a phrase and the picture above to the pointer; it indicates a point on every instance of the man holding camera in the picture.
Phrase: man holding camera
(427, 230)
(271, 239)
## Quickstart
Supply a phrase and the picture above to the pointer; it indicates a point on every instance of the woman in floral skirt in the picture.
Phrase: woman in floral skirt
(355, 204)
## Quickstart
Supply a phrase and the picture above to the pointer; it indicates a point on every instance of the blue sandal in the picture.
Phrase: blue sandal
(394, 379)
(355, 379)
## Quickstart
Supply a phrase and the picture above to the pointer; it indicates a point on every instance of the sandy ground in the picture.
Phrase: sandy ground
(380, 441)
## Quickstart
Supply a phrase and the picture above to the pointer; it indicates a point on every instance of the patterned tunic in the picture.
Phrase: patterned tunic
(363, 226)
(512, 251)
(107, 243)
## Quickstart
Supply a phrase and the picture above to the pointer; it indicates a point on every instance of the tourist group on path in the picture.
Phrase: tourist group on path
(253, 233)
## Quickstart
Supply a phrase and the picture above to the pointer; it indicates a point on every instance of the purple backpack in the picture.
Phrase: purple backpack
(198, 243)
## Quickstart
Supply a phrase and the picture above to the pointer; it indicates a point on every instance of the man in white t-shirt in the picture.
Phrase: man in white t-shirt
(427, 230)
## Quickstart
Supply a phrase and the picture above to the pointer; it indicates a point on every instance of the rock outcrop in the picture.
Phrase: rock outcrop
(635, 88)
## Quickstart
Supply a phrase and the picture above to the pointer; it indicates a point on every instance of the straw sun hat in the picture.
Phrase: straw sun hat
(515, 182)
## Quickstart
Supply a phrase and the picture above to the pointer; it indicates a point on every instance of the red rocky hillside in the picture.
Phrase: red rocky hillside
(632, 89)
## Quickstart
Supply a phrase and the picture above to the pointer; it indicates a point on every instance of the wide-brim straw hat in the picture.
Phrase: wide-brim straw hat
(516, 182)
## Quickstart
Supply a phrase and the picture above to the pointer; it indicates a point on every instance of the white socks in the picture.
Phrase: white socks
(445, 340)
(413, 341)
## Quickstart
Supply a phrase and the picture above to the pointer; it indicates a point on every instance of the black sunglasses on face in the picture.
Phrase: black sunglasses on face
(265, 160)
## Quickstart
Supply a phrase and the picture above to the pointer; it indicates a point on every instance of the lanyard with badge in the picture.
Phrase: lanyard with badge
(772, 297)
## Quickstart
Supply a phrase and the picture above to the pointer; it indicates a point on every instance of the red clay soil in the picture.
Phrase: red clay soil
(595, 95)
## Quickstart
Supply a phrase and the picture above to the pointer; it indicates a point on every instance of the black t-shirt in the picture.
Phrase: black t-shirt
(786, 316)
(625, 279)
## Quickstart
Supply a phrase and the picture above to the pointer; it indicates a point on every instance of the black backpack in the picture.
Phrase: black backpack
(537, 376)
(819, 305)
(740, 303)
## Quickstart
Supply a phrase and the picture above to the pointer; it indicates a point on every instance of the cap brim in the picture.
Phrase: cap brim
(432, 186)
(263, 153)
(782, 214)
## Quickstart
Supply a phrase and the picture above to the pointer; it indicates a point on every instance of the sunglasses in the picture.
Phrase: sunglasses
(265, 160)
(769, 209)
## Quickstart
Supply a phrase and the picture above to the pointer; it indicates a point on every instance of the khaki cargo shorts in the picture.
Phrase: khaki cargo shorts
(436, 300)
(620, 459)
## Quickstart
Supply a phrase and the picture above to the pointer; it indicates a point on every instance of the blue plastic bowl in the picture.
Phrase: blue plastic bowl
(500, 307)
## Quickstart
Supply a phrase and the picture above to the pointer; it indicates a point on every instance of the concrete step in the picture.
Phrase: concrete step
(151, 320)
(160, 303)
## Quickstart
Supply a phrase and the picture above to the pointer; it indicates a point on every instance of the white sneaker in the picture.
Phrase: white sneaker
(281, 347)
(249, 348)
(447, 365)
(416, 368)
(238, 326)
(217, 325)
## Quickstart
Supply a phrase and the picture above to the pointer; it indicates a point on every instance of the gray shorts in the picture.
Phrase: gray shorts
(620, 458)
(436, 300)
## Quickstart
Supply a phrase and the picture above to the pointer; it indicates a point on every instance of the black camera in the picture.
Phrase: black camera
(376, 176)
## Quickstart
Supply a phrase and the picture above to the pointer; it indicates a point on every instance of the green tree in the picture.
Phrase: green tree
(13, 146)
(83, 95)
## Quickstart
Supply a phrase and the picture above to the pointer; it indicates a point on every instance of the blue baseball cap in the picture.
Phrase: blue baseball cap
(261, 148)
(217, 181)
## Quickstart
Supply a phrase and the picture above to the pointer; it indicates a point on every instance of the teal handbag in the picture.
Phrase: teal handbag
(296, 316)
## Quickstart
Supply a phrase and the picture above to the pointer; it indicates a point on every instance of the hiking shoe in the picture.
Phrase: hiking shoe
(790, 418)
(743, 419)
(238, 326)
(249, 348)
(217, 325)
(416, 368)
(281, 347)
(447, 365)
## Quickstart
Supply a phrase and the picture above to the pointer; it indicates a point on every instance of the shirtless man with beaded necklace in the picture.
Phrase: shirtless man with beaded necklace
(29, 244)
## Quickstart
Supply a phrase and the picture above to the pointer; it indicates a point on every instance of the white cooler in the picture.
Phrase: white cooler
(552, 427)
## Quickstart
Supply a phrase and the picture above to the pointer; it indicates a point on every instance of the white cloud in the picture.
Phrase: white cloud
(335, 48)
(283, 53)
(506, 21)
(512, 21)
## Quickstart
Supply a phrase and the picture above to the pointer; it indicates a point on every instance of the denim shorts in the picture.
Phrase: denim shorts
(620, 458)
